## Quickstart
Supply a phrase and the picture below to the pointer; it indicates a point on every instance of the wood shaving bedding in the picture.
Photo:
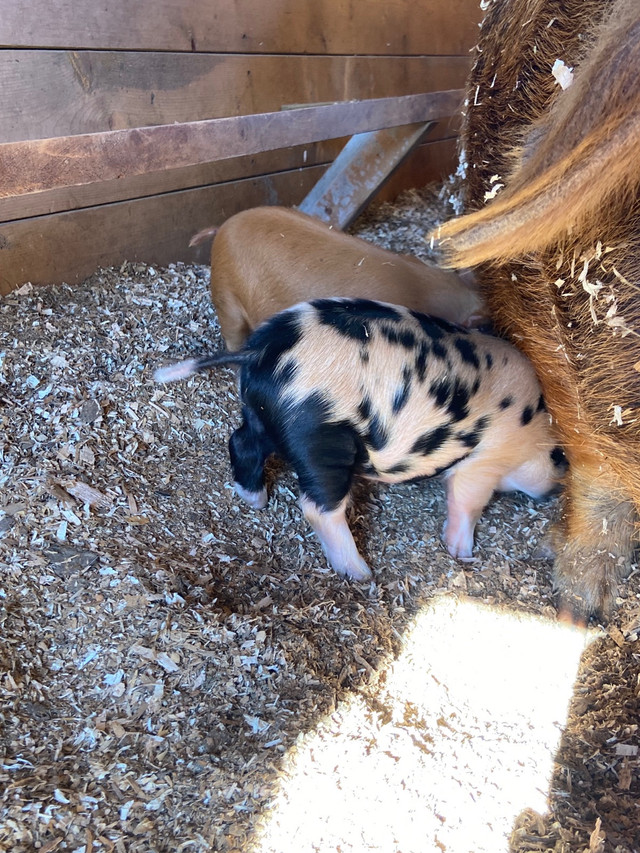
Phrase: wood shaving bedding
(166, 652)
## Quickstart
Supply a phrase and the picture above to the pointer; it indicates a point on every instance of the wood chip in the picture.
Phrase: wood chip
(616, 635)
(626, 749)
(597, 838)
(87, 494)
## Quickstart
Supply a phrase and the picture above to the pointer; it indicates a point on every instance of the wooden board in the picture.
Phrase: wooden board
(70, 246)
(190, 177)
(61, 93)
(428, 163)
(40, 165)
(71, 68)
(396, 27)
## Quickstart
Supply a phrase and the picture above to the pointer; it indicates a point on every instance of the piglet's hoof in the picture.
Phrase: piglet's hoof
(459, 541)
(552, 542)
(545, 549)
(569, 617)
(258, 500)
(354, 570)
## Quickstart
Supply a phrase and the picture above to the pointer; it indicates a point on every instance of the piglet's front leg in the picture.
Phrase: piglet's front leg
(336, 539)
(469, 489)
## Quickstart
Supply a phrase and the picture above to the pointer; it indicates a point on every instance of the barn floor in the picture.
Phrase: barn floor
(181, 673)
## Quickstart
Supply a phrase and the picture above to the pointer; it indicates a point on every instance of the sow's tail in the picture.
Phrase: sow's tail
(184, 369)
(578, 158)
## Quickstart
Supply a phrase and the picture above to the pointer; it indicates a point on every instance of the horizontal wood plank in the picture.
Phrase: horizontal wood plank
(190, 177)
(75, 74)
(170, 180)
(62, 93)
(40, 165)
(70, 246)
(399, 27)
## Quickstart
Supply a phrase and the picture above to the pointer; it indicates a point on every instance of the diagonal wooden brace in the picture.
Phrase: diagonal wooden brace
(358, 172)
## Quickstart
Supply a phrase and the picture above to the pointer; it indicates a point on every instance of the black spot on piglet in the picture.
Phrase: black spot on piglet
(275, 337)
(441, 390)
(431, 441)
(349, 317)
(323, 452)
(401, 337)
(364, 409)
(434, 327)
(401, 396)
(458, 406)
(421, 361)
(467, 350)
(471, 438)
(454, 394)
(439, 350)
(377, 435)
(527, 414)
(559, 459)
(398, 468)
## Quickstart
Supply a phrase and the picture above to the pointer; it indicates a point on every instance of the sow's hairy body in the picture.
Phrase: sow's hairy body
(558, 250)
(346, 387)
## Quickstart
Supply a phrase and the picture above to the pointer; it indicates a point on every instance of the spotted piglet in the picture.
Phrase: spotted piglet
(344, 387)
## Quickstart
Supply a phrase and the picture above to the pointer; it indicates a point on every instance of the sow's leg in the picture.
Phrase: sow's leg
(596, 543)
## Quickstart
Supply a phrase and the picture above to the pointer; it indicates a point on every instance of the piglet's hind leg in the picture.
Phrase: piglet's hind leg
(336, 539)
(469, 489)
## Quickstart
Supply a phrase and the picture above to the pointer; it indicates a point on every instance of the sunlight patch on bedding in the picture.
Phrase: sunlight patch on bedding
(454, 741)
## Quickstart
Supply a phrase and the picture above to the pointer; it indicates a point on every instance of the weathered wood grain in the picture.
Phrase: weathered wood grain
(361, 168)
(396, 27)
(170, 180)
(431, 162)
(41, 165)
(190, 177)
(74, 69)
(48, 93)
(70, 246)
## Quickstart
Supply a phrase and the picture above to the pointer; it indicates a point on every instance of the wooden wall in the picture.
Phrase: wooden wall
(78, 66)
